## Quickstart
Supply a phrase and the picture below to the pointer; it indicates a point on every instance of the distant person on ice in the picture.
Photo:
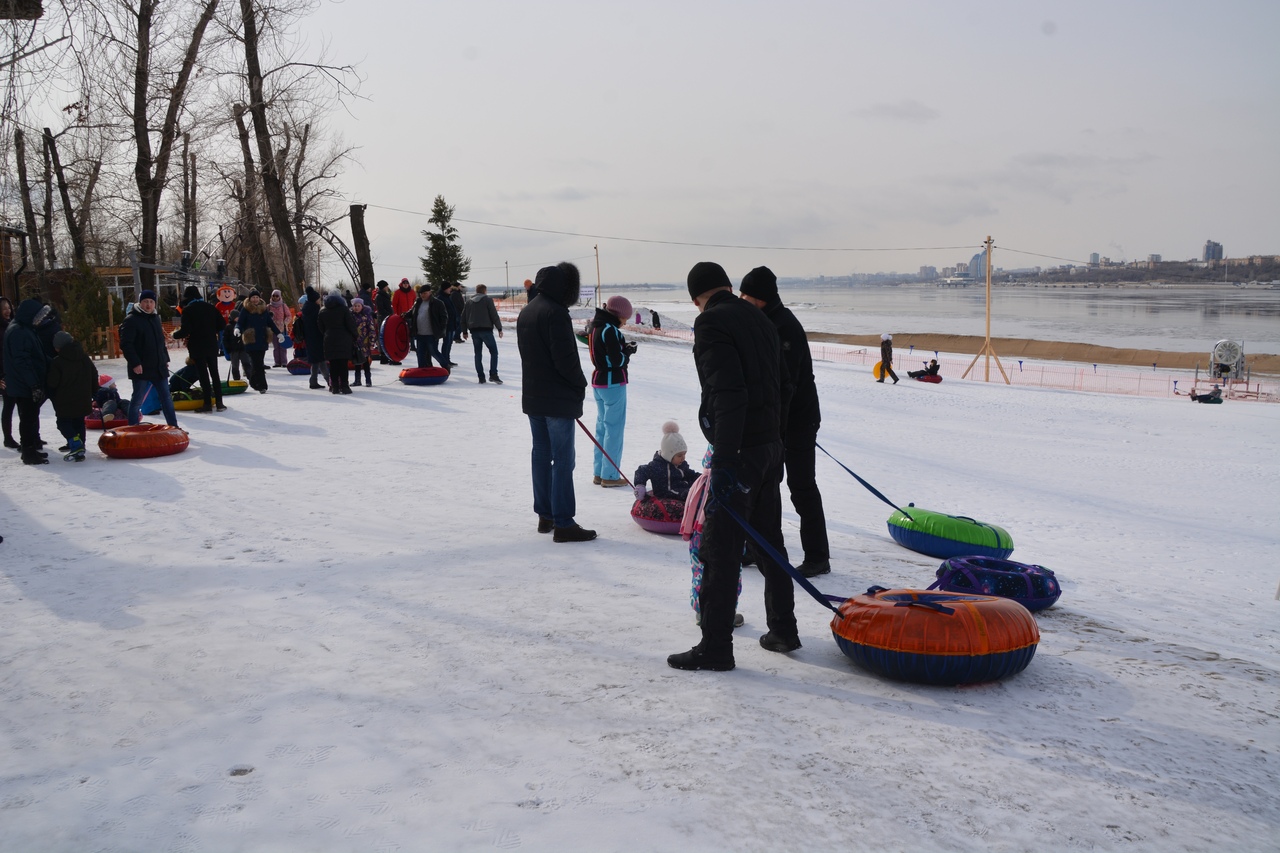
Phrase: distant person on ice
(1214, 396)
(930, 370)
(554, 388)
(738, 357)
(886, 358)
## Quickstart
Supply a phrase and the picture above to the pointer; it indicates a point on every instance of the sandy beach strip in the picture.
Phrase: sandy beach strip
(1015, 348)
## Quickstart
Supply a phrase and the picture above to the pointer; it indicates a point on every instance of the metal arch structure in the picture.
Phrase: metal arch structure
(344, 254)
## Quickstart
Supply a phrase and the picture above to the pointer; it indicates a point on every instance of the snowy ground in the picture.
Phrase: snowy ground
(330, 626)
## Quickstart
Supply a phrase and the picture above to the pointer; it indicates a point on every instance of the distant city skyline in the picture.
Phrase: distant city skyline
(1061, 130)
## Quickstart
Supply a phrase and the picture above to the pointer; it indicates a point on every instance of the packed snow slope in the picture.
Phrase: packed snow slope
(330, 625)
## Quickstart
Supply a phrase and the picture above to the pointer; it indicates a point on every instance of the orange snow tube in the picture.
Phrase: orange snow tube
(143, 441)
(936, 638)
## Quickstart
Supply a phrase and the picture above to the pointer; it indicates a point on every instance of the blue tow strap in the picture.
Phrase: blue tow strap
(869, 487)
(824, 600)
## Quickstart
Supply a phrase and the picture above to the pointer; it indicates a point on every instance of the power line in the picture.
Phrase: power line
(680, 242)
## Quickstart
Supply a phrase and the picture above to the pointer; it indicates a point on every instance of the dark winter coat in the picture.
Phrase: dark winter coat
(4, 324)
(200, 326)
(311, 325)
(803, 414)
(886, 353)
(455, 303)
(142, 341)
(231, 342)
(669, 481)
(48, 326)
(608, 349)
(554, 384)
(255, 316)
(72, 382)
(382, 302)
(339, 328)
(479, 313)
(436, 311)
(738, 357)
(25, 362)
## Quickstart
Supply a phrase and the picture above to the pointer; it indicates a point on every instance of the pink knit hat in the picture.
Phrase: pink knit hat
(619, 306)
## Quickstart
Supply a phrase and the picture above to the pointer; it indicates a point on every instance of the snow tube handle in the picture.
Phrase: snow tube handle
(967, 518)
(932, 605)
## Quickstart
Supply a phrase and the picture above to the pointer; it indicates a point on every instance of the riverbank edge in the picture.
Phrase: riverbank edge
(1025, 348)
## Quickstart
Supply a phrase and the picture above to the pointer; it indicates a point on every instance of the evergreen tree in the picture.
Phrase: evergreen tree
(444, 261)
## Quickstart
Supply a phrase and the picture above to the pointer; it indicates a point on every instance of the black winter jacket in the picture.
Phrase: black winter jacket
(554, 384)
(738, 356)
(435, 310)
(314, 335)
(802, 414)
(25, 362)
(73, 380)
(339, 327)
(201, 326)
(142, 341)
(610, 354)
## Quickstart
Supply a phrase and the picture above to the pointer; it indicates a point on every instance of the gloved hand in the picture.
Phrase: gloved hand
(641, 494)
(724, 483)
(279, 337)
(629, 347)
(37, 396)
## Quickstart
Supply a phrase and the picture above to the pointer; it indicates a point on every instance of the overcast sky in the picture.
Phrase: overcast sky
(1064, 128)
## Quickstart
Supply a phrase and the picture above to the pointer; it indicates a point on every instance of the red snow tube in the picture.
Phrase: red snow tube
(423, 375)
(143, 441)
(935, 379)
(936, 637)
(298, 367)
(658, 515)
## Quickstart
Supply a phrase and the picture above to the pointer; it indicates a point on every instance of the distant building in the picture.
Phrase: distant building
(1212, 251)
(928, 273)
(978, 265)
(1153, 259)
(1094, 258)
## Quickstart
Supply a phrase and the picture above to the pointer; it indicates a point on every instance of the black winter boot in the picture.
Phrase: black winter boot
(573, 533)
(697, 658)
(774, 643)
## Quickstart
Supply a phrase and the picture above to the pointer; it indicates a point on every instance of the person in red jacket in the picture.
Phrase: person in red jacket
(404, 297)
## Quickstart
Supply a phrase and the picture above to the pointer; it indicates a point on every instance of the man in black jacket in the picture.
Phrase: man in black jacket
(202, 325)
(145, 352)
(800, 437)
(554, 388)
(739, 366)
(382, 308)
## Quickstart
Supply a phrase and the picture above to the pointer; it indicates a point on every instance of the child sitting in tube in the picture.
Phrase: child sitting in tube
(669, 472)
(931, 369)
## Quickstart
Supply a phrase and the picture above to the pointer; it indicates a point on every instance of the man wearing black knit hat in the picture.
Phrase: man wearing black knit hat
(800, 433)
(738, 357)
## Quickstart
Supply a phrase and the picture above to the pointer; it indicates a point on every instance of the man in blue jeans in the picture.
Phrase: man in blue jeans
(554, 388)
(479, 320)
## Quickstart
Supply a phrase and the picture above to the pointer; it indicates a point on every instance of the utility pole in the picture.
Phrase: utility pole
(598, 302)
(506, 265)
(987, 349)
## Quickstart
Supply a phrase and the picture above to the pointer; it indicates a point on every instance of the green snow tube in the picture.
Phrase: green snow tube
(945, 536)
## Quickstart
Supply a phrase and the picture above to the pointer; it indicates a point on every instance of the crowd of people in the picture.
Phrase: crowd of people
(759, 413)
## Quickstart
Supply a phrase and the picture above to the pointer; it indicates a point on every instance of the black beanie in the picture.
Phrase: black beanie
(760, 283)
(707, 275)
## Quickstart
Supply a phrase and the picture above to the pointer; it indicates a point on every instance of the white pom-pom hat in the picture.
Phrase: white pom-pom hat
(886, 337)
(672, 441)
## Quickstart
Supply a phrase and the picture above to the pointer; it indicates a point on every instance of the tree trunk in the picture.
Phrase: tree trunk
(75, 229)
(51, 251)
(186, 191)
(273, 190)
(361, 240)
(150, 171)
(28, 209)
(249, 205)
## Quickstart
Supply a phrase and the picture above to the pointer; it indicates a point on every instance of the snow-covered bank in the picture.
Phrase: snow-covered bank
(330, 625)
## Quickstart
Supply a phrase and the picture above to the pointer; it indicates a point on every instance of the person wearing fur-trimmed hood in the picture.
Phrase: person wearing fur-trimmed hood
(258, 330)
